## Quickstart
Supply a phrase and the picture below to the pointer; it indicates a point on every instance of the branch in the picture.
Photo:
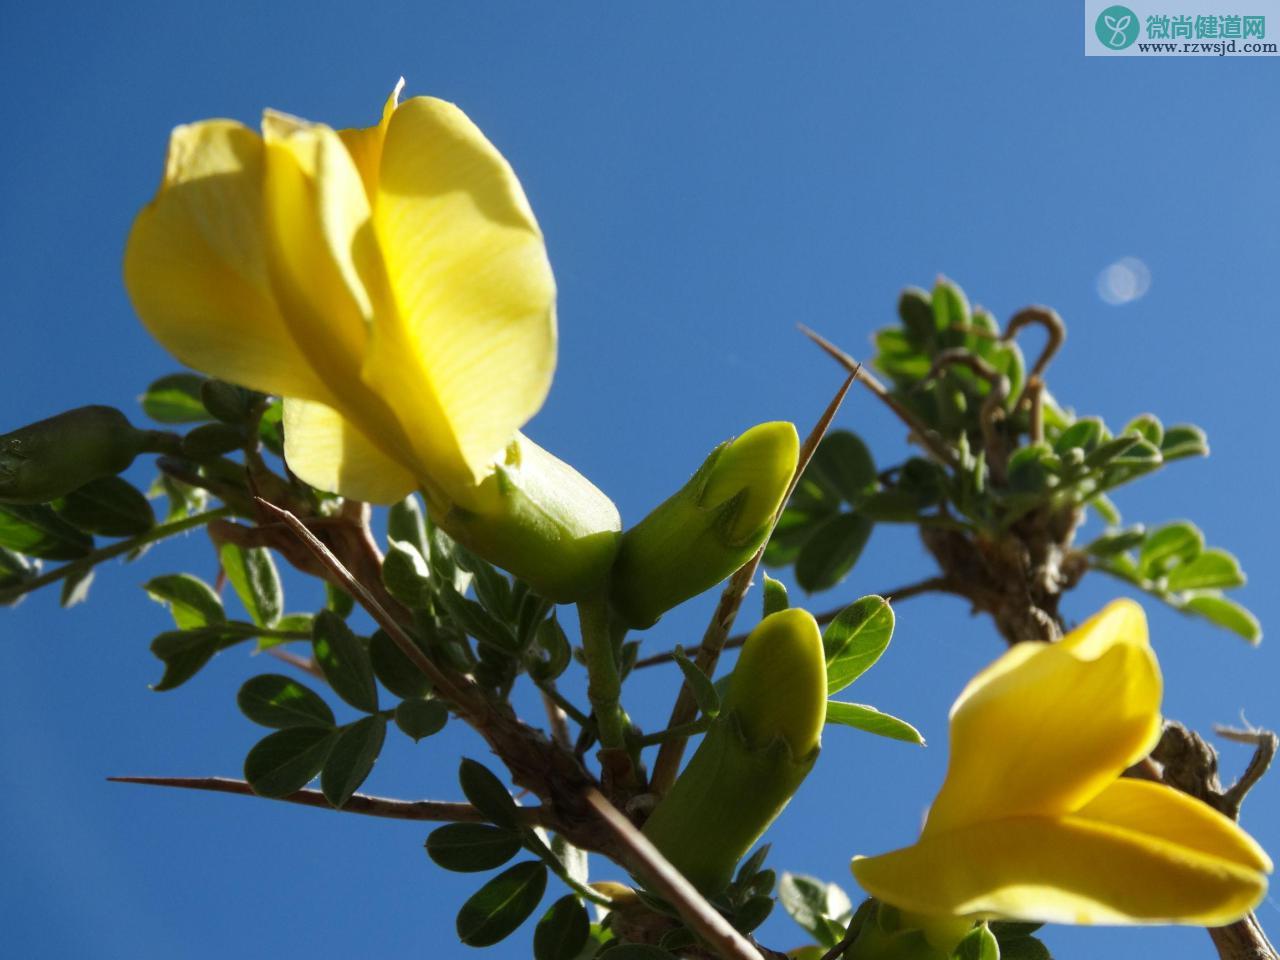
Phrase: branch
(435, 811)
(932, 585)
(685, 710)
(927, 437)
(158, 532)
(658, 874)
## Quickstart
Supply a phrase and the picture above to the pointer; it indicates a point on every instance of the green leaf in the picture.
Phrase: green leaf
(1102, 504)
(345, 661)
(39, 532)
(284, 762)
(355, 750)
(406, 575)
(191, 601)
(1167, 546)
(271, 428)
(831, 551)
(916, 313)
(253, 575)
(1184, 440)
(1212, 569)
(700, 685)
(492, 589)
(871, 720)
(175, 399)
(563, 930)
(339, 601)
(752, 913)
(950, 310)
(406, 523)
(419, 719)
(1227, 614)
(1109, 544)
(397, 672)
(184, 652)
(978, 944)
(274, 700)
(1084, 434)
(226, 401)
(855, 639)
(474, 620)
(553, 649)
(1147, 426)
(108, 506)
(891, 506)
(212, 440)
(775, 596)
(809, 901)
(842, 465)
(794, 528)
(488, 794)
(472, 847)
(501, 905)
(75, 586)
(1024, 948)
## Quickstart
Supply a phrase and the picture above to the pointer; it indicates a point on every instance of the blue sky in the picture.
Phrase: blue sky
(707, 176)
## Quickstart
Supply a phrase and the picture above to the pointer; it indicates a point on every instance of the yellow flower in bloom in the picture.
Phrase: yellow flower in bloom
(1034, 821)
(392, 284)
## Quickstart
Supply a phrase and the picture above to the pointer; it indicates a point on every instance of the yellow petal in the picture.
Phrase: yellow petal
(1163, 813)
(330, 454)
(326, 271)
(1065, 870)
(196, 269)
(470, 347)
(1121, 621)
(365, 143)
(1047, 726)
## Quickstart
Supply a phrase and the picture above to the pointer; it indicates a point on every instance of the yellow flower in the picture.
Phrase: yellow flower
(392, 284)
(1034, 821)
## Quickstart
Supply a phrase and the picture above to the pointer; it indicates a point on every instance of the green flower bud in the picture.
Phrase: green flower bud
(542, 521)
(709, 528)
(754, 756)
(49, 459)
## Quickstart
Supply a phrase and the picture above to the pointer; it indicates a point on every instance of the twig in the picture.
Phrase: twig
(1057, 335)
(159, 532)
(557, 720)
(927, 437)
(658, 873)
(1264, 751)
(933, 584)
(685, 710)
(437, 811)
(305, 664)
(992, 406)
(443, 683)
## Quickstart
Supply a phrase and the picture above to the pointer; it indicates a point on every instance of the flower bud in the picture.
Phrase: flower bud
(754, 756)
(48, 459)
(540, 520)
(709, 528)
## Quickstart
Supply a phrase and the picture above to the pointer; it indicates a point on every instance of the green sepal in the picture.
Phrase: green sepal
(542, 521)
(49, 459)
(723, 802)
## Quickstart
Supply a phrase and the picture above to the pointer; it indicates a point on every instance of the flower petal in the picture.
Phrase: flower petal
(1166, 814)
(196, 270)
(1048, 726)
(330, 454)
(365, 143)
(470, 347)
(1066, 870)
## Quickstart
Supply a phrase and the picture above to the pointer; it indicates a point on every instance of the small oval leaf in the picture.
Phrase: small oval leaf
(498, 908)
(471, 847)
(274, 700)
(284, 762)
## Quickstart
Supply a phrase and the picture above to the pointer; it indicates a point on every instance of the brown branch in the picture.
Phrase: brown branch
(932, 585)
(927, 437)
(436, 811)
(1057, 335)
(667, 764)
(658, 874)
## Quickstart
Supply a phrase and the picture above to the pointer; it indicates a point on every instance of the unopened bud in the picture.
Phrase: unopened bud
(754, 756)
(49, 459)
(542, 521)
(709, 528)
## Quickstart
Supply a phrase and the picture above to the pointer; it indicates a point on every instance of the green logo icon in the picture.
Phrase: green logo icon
(1116, 27)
